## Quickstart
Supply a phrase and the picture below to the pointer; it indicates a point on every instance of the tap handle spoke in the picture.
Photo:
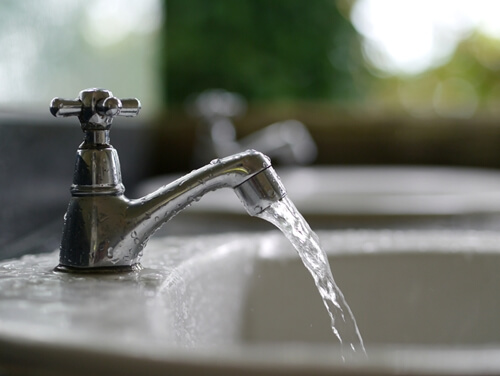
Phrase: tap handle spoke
(65, 107)
(95, 107)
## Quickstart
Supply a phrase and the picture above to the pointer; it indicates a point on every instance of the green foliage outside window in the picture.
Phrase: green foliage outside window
(263, 49)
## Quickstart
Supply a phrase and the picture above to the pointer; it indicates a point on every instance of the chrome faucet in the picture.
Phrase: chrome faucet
(105, 231)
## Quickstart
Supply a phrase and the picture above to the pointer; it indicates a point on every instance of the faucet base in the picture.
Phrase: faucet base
(103, 270)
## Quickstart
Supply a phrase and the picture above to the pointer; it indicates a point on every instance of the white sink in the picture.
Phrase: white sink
(425, 302)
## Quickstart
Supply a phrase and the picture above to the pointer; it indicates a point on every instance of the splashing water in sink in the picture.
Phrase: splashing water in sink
(284, 215)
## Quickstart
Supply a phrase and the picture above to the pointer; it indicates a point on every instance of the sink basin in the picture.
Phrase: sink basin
(410, 288)
(426, 302)
(366, 197)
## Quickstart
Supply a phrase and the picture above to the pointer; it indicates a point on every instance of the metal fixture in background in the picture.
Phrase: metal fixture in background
(287, 142)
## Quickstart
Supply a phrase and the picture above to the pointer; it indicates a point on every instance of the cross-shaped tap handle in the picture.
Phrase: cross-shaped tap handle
(95, 108)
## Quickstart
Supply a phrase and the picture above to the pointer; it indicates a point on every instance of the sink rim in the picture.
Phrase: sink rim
(31, 356)
(294, 359)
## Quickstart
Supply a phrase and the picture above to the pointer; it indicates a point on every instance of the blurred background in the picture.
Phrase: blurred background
(375, 82)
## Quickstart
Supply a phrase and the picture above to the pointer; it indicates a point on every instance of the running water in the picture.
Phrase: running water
(286, 217)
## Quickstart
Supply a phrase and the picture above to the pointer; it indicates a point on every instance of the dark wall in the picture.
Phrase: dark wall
(36, 171)
(350, 137)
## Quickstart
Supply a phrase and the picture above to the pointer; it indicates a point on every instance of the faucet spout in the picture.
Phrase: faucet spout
(249, 173)
(109, 232)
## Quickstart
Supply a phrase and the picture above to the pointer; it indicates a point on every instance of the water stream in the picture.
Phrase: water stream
(286, 217)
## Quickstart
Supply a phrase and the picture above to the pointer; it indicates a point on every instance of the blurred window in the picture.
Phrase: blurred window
(426, 57)
(59, 47)
(432, 57)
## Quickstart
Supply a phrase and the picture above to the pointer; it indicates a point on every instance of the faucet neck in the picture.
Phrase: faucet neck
(97, 170)
(96, 139)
